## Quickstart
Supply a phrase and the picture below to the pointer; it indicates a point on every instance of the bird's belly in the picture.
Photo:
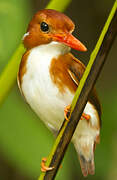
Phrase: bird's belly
(49, 103)
(45, 98)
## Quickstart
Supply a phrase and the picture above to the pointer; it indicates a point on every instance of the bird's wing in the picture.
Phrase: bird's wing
(76, 70)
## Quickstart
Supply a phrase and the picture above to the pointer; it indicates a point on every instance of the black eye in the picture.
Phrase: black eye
(44, 27)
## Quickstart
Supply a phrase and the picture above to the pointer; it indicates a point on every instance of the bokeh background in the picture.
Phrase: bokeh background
(24, 139)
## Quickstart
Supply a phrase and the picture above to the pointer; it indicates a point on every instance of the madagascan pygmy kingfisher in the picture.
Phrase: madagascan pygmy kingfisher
(49, 76)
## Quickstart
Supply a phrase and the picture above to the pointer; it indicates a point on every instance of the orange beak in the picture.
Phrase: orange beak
(69, 40)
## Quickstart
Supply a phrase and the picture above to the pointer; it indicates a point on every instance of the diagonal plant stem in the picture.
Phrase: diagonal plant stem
(97, 60)
(9, 74)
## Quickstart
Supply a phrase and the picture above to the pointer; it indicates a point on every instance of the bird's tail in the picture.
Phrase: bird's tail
(85, 151)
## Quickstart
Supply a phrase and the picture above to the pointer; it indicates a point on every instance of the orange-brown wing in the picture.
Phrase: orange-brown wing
(66, 71)
(76, 70)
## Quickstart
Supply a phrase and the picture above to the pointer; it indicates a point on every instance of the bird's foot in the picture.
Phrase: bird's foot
(45, 168)
(66, 110)
(85, 116)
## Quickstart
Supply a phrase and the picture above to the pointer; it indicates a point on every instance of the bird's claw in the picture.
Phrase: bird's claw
(66, 110)
(85, 116)
(45, 168)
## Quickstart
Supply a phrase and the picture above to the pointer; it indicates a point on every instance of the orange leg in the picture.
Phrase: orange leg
(85, 116)
(66, 110)
(43, 167)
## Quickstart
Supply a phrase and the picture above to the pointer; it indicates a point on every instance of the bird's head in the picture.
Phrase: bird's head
(50, 25)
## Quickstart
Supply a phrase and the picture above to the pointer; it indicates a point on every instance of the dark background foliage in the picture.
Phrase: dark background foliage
(24, 139)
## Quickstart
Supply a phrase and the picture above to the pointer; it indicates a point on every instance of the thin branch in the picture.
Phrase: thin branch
(7, 81)
(97, 60)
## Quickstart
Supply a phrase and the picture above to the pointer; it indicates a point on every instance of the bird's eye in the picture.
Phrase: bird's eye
(44, 27)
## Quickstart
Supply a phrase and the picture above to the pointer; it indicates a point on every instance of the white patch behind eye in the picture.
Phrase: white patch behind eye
(26, 34)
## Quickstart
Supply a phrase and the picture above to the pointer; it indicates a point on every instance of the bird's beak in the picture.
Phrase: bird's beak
(69, 40)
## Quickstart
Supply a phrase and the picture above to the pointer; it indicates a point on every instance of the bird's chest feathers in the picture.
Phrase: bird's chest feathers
(37, 85)
(38, 67)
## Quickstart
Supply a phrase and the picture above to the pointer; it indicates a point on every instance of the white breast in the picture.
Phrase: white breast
(38, 88)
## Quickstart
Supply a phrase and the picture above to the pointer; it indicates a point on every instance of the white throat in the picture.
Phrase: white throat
(52, 49)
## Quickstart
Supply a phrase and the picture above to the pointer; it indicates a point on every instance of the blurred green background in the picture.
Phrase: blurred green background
(24, 139)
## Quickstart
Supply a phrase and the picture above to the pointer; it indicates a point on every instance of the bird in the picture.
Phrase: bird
(48, 77)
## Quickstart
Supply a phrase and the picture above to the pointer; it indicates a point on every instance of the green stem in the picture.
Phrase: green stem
(92, 71)
(59, 5)
(9, 74)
